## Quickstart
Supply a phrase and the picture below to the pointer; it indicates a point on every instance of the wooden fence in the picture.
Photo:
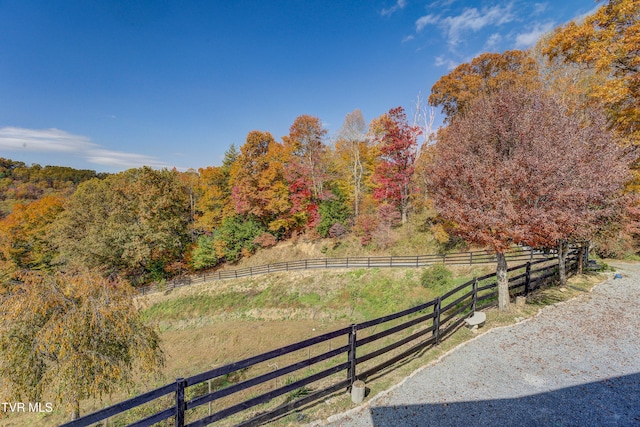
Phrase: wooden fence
(358, 351)
(460, 258)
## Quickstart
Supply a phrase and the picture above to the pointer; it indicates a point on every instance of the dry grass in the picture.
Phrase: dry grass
(195, 343)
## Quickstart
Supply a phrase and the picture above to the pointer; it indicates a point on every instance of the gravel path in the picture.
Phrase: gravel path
(575, 364)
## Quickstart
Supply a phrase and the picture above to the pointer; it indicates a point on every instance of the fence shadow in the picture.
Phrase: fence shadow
(610, 402)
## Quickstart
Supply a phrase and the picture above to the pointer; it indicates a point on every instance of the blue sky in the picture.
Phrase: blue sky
(109, 85)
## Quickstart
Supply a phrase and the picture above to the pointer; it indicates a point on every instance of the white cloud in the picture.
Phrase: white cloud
(440, 4)
(426, 20)
(59, 141)
(472, 19)
(400, 4)
(444, 61)
(539, 8)
(408, 38)
(493, 41)
(525, 40)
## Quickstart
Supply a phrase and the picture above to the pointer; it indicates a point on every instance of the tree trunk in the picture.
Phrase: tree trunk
(562, 258)
(503, 282)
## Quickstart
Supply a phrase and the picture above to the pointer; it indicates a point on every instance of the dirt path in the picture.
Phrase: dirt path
(575, 364)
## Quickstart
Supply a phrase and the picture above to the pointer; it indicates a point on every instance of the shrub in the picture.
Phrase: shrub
(337, 230)
(437, 277)
(365, 226)
(265, 240)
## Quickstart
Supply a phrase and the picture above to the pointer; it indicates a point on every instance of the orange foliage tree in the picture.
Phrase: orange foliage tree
(257, 180)
(26, 235)
(608, 41)
(486, 73)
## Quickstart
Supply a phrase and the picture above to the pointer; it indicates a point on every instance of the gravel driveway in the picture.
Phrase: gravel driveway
(575, 364)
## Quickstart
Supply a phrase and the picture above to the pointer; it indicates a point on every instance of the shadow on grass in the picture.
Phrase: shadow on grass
(610, 402)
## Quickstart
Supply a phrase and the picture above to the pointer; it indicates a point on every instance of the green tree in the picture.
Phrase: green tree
(134, 223)
(72, 336)
(204, 253)
(333, 211)
(236, 236)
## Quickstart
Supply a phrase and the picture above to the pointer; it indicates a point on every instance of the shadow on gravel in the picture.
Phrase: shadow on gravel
(611, 402)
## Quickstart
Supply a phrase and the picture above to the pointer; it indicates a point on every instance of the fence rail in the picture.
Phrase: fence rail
(358, 354)
(459, 258)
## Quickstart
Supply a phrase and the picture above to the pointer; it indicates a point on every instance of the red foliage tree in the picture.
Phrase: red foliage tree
(516, 168)
(397, 143)
(307, 167)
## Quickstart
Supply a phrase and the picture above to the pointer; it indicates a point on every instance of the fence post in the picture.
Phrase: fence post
(416, 261)
(180, 384)
(436, 320)
(586, 252)
(475, 294)
(444, 261)
(368, 262)
(351, 355)
(527, 280)
(250, 271)
(470, 258)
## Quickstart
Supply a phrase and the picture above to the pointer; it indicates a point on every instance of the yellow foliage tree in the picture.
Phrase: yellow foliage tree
(608, 41)
(71, 337)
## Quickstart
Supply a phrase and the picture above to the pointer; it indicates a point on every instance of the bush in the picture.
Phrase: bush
(204, 254)
(337, 230)
(437, 277)
(265, 240)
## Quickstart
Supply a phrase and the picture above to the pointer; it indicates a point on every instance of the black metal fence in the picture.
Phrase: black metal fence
(358, 351)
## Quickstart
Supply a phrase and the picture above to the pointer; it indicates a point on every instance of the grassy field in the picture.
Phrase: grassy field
(212, 324)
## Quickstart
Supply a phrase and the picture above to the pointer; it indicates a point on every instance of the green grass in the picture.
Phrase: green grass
(358, 295)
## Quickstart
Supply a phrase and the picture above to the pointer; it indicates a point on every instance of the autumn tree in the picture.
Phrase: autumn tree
(397, 147)
(306, 169)
(355, 158)
(26, 236)
(257, 180)
(516, 168)
(485, 74)
(134, 223)
(72, 336)
(572, 84)
(214, 203)
(306, 139)
(608, 41)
